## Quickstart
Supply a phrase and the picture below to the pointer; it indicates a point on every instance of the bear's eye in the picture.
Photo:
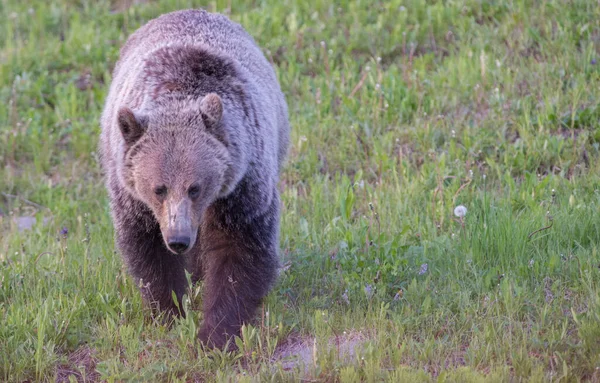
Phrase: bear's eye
(194, 191)
(160, 191)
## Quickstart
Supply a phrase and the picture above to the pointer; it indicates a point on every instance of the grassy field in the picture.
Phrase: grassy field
(400, 112)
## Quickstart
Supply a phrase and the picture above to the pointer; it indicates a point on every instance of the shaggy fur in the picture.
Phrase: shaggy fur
(194, 133)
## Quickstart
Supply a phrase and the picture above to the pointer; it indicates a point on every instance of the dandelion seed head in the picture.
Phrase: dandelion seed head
(460, 211)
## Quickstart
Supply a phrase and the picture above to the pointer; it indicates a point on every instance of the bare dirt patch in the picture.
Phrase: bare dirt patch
(302, 351)
(81, 365)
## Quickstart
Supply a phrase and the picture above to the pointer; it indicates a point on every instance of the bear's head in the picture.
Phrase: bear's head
(176, 162)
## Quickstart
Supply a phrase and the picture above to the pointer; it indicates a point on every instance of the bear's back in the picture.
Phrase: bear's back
(198, 27)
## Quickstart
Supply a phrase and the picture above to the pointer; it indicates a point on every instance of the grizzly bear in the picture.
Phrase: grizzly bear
(194, 134)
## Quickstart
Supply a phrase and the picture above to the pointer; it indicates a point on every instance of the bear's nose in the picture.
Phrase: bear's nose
(179, 244)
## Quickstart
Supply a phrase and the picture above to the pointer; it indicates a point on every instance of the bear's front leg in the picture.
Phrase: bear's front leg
(156, 271)
(240, 267)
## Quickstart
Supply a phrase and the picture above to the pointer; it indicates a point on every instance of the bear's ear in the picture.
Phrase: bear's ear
(211, 108)
(132, 125)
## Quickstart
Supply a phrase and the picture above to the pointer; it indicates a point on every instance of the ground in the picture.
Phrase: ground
(400, 112)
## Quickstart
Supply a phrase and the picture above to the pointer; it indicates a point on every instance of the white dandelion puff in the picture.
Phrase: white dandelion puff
(460, 211)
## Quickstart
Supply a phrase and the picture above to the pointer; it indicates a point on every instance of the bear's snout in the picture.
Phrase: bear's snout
(178, 244)
(178, 233)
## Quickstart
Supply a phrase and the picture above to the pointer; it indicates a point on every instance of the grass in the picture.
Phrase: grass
(401, 111)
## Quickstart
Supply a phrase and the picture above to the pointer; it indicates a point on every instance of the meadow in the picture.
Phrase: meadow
(401, 111)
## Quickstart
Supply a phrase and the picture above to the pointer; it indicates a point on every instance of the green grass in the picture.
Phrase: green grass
(400, 112)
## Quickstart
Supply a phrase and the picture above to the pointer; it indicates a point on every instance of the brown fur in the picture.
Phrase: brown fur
(194, 133)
